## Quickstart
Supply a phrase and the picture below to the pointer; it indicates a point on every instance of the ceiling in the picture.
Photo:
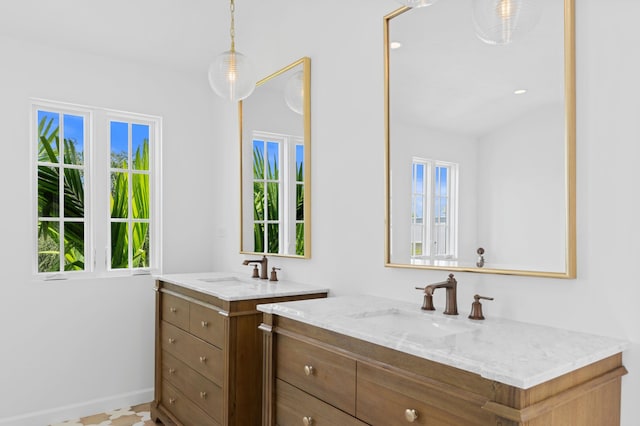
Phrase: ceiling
(182, 34)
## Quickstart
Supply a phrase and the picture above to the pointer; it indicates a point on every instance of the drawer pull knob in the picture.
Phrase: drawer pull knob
(173, 310)
(203, 359)
(172, 401)
(172, 340)
(204, 324)
(172, 371)
(411, 415)
(203, 395)
(309, 371)
(307, 420)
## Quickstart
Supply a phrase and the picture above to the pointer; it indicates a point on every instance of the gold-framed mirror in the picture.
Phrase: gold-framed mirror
(480, 138)
(275, 160)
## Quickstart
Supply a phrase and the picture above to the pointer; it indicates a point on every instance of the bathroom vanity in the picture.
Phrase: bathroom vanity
(208, 357)
(367, 360)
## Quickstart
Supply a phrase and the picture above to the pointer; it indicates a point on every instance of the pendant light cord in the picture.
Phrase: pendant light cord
(232, 31)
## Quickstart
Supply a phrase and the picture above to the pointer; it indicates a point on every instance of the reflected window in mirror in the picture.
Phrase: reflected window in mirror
(278, 193)
(275, 133)
(434, 215)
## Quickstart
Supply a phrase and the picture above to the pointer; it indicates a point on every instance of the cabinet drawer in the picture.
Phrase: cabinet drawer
(326, 375)
(204, 393)
(293, 405)
(207, 324)
(384, 397)
(206, 359)
(182, 408)
(175, 310)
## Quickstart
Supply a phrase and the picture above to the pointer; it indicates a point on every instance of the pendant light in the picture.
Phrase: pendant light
(417, 3)
(231, 74)
(294, 92)
(499, 22)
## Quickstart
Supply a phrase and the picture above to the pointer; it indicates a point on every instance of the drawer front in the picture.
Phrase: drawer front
(385, 397)
(204, 393)
(207, 324)
(175, 310)
(294, 406)
(206, 359)
(182, 408)
(321, 373)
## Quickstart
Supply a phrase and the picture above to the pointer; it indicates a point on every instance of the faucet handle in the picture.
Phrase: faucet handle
(256, 273)
(427, 303)
(274, 274)
(476, 307)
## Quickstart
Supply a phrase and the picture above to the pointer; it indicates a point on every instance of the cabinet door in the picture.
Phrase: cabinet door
(204, 393)
(207, 324)
(388, 399)
(206, 359)
(175, 310)
(324, 374)
(295, 407)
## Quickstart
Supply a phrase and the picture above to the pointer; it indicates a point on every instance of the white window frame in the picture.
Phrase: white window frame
(97, 161)
(287, 189)
(429, 195)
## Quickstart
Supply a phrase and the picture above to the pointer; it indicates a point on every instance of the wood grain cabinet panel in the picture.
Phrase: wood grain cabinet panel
(294, 407)
(329, 376)
(208, 358)
(188, 413)
(207, 324)
(175, 311)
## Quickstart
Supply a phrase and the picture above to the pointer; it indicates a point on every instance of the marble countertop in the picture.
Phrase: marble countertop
(234, 286)
(511, 352)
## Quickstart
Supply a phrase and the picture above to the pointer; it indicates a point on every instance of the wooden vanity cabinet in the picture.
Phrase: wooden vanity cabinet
(319, 377)
(208, 358)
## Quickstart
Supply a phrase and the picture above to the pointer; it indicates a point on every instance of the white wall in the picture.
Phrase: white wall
(82, 346)
(61, 334)
(344, 41)
(521, 192)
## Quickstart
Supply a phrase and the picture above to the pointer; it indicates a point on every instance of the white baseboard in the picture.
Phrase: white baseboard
(81, 409)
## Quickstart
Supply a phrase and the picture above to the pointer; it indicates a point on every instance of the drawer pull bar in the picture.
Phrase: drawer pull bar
(204, 324)
(173, 310)
(203, 359)
(172, 401)
(411, 415)
(172, 371)
(172, 340)
(203, 395)
(307, 420)
(309, 371)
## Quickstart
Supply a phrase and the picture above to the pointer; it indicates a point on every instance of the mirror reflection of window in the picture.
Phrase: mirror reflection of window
(278, 193)
(434, 218)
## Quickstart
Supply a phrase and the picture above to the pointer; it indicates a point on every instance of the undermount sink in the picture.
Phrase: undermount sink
(396, 321)
(226, 281)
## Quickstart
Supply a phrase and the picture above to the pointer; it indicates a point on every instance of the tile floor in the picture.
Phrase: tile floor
(129, 416)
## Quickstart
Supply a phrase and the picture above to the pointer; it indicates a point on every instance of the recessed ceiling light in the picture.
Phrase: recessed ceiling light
(520, 92)
(395, 45)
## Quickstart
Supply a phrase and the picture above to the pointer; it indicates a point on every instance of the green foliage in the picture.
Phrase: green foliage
(73, 201)
(269, 210)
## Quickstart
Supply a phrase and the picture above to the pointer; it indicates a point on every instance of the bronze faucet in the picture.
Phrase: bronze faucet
(263, 266)
(452, 303)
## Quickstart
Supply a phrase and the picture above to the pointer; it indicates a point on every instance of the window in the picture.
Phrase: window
(433, 209)
(96, 180)
(278, 193)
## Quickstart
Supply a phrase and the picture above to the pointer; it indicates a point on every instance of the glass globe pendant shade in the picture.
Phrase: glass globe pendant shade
(500, 22)
(416, 3)
(294, 92)
(232, 76)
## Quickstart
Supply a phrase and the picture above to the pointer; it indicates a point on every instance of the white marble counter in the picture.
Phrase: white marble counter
(234, 286)
(511, 352)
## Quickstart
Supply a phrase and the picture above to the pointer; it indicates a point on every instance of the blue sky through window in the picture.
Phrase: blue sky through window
(119, 139)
